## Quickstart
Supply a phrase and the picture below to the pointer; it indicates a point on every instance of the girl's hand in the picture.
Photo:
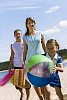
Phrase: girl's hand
(22, 66)
(9, 69)
(23, 63)
(54, 68)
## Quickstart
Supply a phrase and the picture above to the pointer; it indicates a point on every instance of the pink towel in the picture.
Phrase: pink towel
(6, 78)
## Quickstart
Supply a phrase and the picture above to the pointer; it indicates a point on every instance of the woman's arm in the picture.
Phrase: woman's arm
(43, 44)
(25, 51)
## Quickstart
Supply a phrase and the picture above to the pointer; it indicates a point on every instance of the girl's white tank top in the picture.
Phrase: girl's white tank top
(18, 53)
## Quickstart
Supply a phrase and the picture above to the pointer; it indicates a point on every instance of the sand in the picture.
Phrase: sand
(8, 91)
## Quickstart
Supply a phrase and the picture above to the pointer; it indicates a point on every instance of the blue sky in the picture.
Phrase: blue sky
(50, 17)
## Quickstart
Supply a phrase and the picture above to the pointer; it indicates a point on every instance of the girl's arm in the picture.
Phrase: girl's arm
(25, 51)
(59, 68)
(43, 44)
(11, 58)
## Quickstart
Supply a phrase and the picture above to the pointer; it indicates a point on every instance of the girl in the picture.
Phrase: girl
(52, 48)
(16, 60)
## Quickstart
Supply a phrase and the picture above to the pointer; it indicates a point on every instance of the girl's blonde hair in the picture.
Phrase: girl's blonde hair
(53, 41)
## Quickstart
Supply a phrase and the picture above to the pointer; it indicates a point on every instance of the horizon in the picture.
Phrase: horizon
(59, 50)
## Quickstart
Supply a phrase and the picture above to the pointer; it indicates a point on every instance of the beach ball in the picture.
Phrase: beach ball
(39, 70)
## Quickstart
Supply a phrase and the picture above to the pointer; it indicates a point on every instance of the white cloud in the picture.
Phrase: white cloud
(57, 28)
(4, 53)
(52, 30)
(18, 8)
(4, 48)
(17, 5)
(63, 23)
(63, 46)
(52, 9)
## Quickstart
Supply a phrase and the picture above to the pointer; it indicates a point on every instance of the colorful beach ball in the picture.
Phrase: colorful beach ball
(39, 70)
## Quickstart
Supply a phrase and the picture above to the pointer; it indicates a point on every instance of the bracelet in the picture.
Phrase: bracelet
(23, 62)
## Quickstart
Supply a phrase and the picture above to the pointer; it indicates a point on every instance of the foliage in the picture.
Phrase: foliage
(63, 53)
(4, 65)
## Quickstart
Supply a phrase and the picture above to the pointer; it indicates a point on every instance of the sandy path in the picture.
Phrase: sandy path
(8, 92)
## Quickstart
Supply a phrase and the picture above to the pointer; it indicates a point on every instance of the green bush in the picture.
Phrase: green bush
(4, 65)
(63, 53)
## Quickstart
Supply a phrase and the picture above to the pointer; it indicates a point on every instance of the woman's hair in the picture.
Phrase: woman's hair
(27, 19)
(16, 31)
(53, 41)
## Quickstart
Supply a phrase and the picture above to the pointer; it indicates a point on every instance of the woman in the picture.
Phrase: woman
(33, 44)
